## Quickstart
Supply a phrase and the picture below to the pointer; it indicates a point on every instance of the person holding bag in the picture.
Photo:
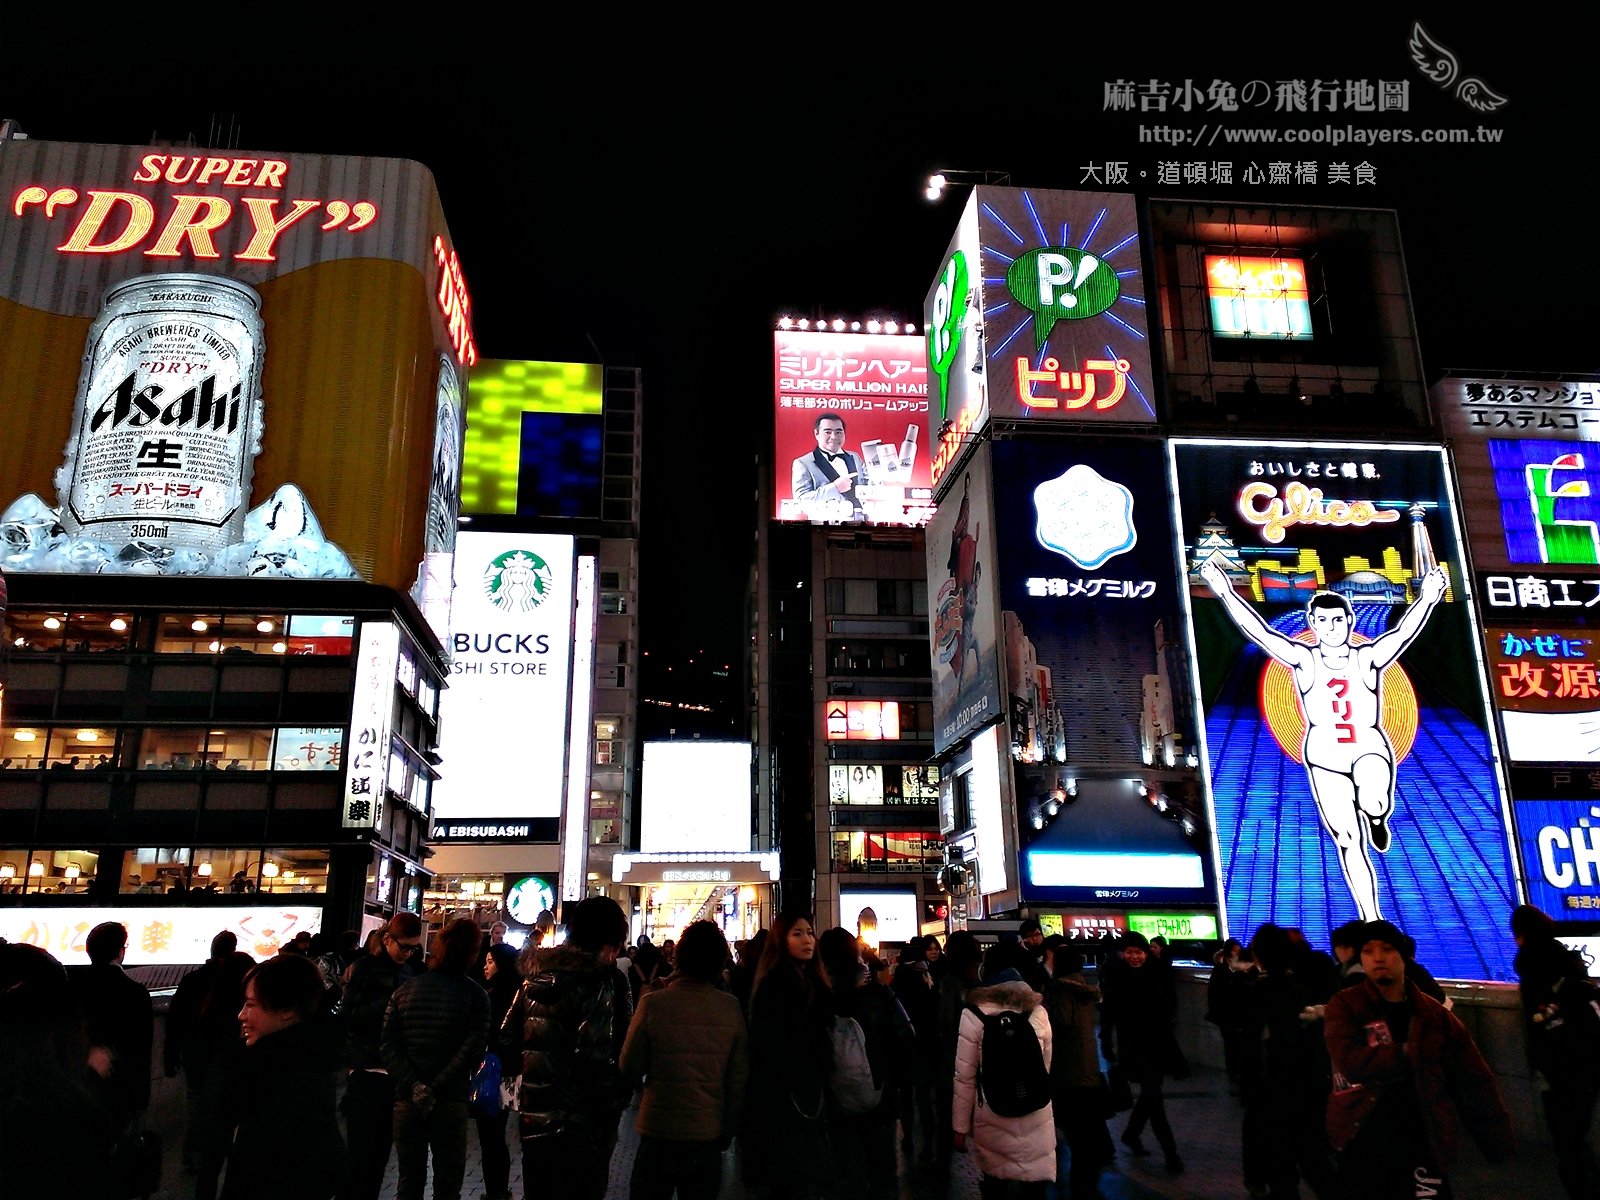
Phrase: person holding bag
(785, 1137)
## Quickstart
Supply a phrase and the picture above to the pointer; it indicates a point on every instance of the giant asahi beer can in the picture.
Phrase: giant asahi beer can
(168, 419)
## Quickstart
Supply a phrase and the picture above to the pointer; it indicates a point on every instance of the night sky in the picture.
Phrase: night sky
(662, 194)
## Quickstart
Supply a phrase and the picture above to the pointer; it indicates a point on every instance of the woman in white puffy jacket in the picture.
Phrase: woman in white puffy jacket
(1015, 1148)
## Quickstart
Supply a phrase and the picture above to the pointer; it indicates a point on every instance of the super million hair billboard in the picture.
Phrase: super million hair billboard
(229, 364)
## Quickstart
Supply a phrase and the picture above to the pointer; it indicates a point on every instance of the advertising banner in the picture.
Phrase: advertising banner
(1089, 588)
(371, 725)
(696, 797)
(159, 936)
(503, 719)
(1062, 334)
(1345, 725)
(851, 413)
(966, 618)
(229, 365)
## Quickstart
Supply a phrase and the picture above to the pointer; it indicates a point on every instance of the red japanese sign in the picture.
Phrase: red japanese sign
(1543, 670)
(851, 409)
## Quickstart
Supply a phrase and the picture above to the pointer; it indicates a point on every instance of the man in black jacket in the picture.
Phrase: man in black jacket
(433, 1039)
(119, 1021)
(202, 1022)
(565, 1032)
(370, 1095)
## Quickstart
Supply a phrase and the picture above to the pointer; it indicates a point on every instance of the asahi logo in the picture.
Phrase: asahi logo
(200, 406)
(517, 581)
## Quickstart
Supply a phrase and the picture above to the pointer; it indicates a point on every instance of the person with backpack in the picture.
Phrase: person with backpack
(1561, 1023)
(915, 988)
(688, 1044)
(873, 1044)
(785, 1134)
(1137, 1038)
(1078, 1092)
(1002, 1081)
(1407, 1078)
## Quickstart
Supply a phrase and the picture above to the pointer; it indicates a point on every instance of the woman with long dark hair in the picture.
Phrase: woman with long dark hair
(785, 1138)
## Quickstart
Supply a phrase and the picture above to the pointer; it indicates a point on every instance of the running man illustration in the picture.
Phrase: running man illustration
(1348, 756)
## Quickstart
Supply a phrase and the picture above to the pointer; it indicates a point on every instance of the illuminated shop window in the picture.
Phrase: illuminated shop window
(172, 749)
(891, 853)
(605, 832)
(608, 748)
(871, 783)
(321, 634)
(294, 871)
(231, 871)
(189, 633)
(477, 897)
(46, 872)
(155, 870)
(24, 748)
(99, 632)
(36, 632)
(255, 633)
(319, 749)
(238, 750)
(81, 748)
(863, 720)
(613, 604)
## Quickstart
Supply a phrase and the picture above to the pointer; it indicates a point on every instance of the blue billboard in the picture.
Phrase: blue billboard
(1108, 800)
(1349, 757)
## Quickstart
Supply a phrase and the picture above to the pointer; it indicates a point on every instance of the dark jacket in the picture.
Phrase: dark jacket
(891, 1039)
(373, 981)
(203, 1016)
(1138, 1007)
(564, 1034)
(1561, 1028)
(117, 1014)
(272, 1108)
(1070, 1003)
(791, 1055)
(687, 1043)
(1288, 1053)
(1453, 1084)
(919, 996)
(435, 1033)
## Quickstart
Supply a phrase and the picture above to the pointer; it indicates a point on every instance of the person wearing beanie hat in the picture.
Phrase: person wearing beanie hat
(1407, 946)
(1407, 1079)
(1562, 1033)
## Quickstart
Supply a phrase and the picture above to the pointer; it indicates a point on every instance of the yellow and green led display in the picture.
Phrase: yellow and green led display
(533, 438)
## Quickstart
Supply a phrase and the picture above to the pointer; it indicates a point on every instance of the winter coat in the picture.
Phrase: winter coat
(1225, 996)
(1453, 1084)
(891, 1043)
(1554, 978)
(563, 1034)
(435, 1033)
(203, 1016)
(1289, 1055)
(373, 981)
(791, 1055)
(688, 1043)
(1021, 1148)
(271, 1106)
(1138, 1006)
(1070, 1004)
(118, 1015)
(913, 986)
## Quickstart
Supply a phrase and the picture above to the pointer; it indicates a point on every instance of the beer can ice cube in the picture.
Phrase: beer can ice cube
(168, 419)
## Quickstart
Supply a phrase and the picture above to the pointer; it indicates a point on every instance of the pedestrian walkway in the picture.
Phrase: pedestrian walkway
(1205, 1118)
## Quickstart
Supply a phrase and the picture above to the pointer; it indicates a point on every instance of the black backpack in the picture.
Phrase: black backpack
(1012, 1076)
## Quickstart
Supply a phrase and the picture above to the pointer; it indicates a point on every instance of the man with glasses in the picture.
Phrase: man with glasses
(369, 1098)
(824, 481)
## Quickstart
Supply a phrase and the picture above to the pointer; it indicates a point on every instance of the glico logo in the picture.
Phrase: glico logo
(1300, 505)
(517, 581)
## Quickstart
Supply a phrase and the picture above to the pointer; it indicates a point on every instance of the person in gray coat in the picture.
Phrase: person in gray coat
(434, 1036)
(824, 481)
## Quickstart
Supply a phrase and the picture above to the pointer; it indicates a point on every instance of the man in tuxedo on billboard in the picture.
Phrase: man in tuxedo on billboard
(824, 481)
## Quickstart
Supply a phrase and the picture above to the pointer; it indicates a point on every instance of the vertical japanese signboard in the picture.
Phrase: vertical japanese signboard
(965, 607)
(371, 724)
(1038, 313)
(1351, 765)
(1097, 677)
(852, 409)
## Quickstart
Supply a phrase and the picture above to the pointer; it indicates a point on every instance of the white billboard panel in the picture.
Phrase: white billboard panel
(159, 936)
(696, 797)
(503, 719)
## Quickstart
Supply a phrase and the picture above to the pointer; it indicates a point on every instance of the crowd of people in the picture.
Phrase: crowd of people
(808, 1049)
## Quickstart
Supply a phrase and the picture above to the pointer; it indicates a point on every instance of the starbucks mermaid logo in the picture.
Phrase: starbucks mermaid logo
(517, 581)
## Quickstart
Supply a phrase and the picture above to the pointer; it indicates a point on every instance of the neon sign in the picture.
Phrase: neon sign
(1300, 505)
(454, 302)
(1258, 297)
(1078, 386)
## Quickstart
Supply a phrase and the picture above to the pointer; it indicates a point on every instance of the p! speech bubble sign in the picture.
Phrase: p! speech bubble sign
(1058, 283)
(949, 314)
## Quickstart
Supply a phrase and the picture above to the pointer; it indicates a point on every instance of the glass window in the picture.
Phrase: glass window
(59, 872)
(849, 851)
(315, 749)
(321, 634)
(294, 871)
(613, 603)
(238, 749)
(896, 852)
(189, 633)
(234, 871)
(258, 633)
(605, 832)
(24, 749)
(172, 749)
(81, 749)
(38, 632)
(99, 632)
(607, 747)
(861, 597)
(152, 870)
